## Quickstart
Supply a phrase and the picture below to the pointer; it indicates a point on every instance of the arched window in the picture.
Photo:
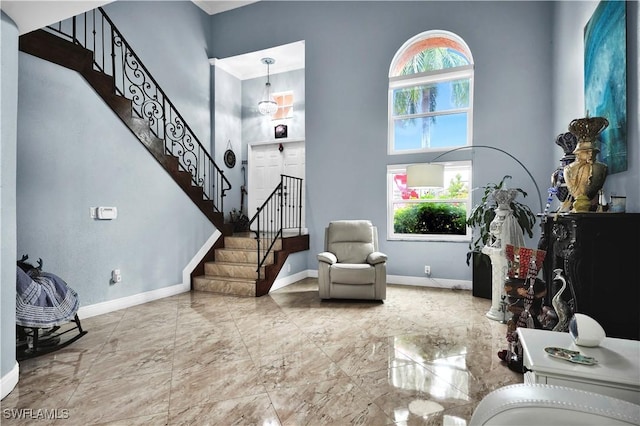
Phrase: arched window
(430, 109)
(430, 94)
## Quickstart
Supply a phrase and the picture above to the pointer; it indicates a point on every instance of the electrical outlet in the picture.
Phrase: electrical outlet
(427, 270)
(116, 276)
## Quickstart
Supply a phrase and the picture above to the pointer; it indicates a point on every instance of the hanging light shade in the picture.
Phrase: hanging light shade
(425, 176)
(267, 106)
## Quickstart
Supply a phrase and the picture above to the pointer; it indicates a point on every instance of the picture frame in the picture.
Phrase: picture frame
(281, 131)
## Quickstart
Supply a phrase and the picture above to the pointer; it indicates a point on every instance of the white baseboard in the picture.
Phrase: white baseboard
(285, 281)
(137, 299)
(148, 296)
(128, 301)
(186, 272)
(9, 381)
(429, 282)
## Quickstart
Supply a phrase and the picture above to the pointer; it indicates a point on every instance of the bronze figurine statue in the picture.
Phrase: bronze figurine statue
(585, 176)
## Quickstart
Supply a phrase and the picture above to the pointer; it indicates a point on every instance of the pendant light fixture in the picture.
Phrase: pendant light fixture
(267, 106)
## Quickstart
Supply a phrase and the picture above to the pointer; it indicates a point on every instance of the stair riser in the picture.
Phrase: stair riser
(241, 256)
(120, 106)
(218, 285)
(101, 82)
(249, 243)
(231, 270)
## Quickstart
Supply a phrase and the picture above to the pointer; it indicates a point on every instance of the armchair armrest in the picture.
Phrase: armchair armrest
(327, 257)
(376, 257)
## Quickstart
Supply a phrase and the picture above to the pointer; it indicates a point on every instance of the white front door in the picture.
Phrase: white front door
(266, 164)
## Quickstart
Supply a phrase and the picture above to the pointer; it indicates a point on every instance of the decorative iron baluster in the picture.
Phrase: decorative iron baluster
(134, 82)
(271, 218)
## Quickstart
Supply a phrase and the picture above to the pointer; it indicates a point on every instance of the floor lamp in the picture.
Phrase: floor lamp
(430, 175)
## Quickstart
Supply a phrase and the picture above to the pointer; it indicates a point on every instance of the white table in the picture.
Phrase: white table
(617, 373)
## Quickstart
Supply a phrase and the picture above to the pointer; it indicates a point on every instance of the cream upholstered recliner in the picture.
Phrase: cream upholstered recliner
(351, 267)
(541, 404)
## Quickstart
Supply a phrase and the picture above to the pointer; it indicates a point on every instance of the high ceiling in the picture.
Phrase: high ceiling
(31, 15)
(287, 57)
(217, 6)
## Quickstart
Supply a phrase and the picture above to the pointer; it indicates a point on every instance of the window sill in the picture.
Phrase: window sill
(431, 238)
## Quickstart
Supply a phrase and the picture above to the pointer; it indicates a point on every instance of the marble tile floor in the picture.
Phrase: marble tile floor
(425, 356)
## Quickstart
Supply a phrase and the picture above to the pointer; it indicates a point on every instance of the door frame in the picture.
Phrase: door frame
(251, 171)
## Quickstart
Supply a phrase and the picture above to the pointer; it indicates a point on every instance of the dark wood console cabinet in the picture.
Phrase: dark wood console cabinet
(599, 254)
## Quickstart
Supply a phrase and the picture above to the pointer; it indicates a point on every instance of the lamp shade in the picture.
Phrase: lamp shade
(425, 176)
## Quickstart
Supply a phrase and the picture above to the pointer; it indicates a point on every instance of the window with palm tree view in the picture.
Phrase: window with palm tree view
(430, 110)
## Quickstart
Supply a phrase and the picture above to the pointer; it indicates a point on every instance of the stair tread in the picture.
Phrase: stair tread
(248, 250)
(226, 278)
(228, 262)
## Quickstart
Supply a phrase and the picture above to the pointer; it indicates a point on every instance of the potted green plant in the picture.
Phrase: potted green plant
(480, 220)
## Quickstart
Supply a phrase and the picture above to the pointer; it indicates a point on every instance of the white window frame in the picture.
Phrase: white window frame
(428, 78)
(392, 236)
(419, 79)
(436, 76)
(282, 106)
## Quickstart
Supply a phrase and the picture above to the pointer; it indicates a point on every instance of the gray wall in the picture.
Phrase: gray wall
(8, 120)
(570, 19)
(258, 128)
(237, 119)
(177, 58)
(228, 129)
(348, 49)
(74, 153)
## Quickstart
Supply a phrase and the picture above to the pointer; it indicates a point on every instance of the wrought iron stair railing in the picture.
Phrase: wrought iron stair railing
(112, 55)
(281, 212)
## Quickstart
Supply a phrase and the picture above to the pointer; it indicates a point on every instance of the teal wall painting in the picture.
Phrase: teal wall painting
(605, 79)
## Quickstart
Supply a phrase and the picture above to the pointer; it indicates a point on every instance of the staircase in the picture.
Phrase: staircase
(240, 264)
(50, 47)
(234, 268)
